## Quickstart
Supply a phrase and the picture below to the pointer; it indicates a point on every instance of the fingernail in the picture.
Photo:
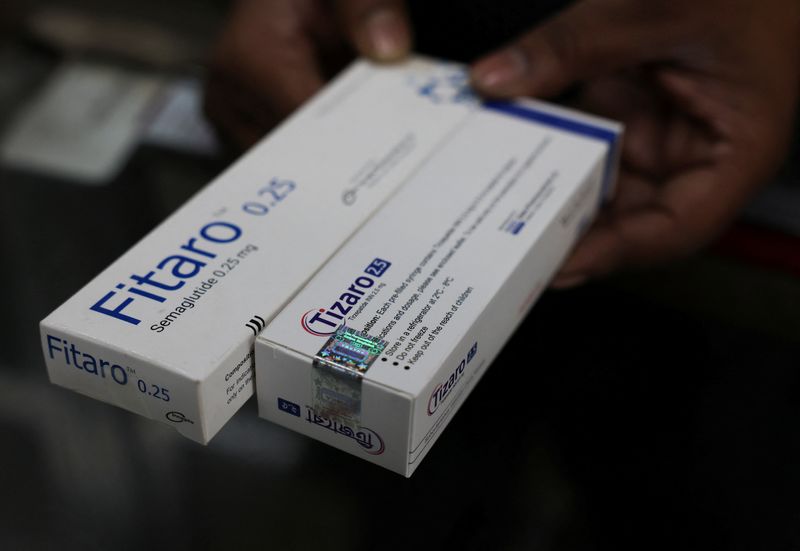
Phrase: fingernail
(387, 35)
(568, 281)
(500, 69)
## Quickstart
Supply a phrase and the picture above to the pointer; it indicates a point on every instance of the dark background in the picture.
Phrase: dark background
(655, 410)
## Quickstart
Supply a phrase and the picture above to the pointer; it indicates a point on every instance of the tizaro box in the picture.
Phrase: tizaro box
(167, 330)
(376, 354)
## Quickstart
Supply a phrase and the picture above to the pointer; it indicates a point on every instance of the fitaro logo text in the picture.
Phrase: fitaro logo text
(170, 274)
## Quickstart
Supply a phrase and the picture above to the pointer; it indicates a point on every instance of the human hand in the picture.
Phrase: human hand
(707, 90)
(273, 54)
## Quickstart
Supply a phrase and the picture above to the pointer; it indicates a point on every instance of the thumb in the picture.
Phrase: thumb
(591, 38)
(378, 29)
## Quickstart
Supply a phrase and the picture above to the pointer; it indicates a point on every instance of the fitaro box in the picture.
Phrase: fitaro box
(167, 331)
(377, 353)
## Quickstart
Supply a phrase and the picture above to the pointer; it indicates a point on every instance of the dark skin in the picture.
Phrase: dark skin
(707, 91)
(272, 55)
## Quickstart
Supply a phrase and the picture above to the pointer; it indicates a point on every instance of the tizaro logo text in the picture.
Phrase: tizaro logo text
(443, 389)
(324, 322)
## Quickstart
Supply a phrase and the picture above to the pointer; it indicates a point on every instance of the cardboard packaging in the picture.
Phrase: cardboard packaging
(167, 330)
(376, 354)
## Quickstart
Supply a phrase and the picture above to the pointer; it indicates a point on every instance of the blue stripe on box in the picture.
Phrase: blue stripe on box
(569, 125)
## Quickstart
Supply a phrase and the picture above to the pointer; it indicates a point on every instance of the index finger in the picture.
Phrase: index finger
(676, 220)
(268, 50)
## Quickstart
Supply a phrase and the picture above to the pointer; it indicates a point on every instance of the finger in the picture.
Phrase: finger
(377, 28)
(268, 50)
(590, 38)
(223, 106)
(686, 214)
(238, 134)
(595, 254)
(633, 192)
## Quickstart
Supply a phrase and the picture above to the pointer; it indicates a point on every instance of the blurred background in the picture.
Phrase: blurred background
(655, 410)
